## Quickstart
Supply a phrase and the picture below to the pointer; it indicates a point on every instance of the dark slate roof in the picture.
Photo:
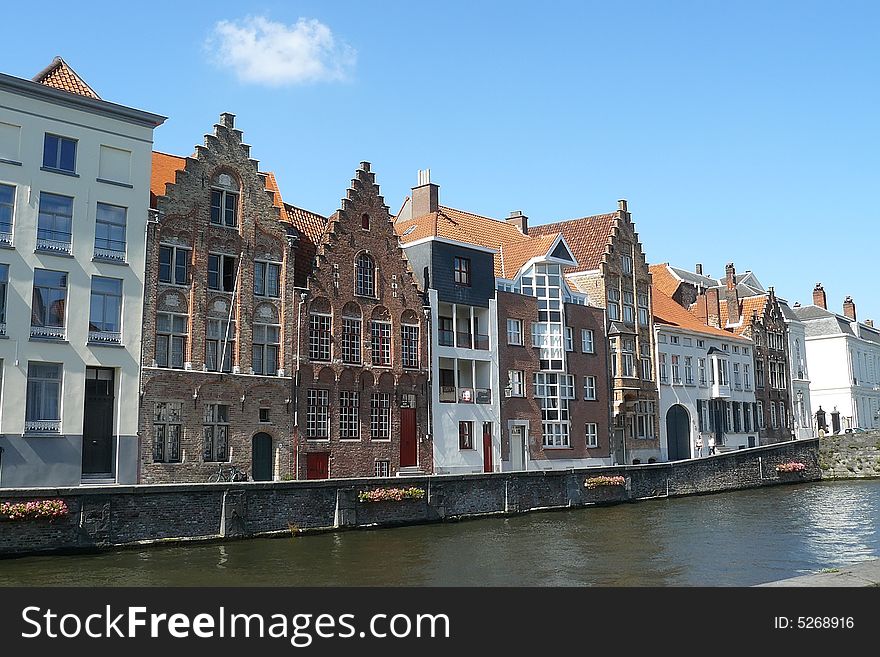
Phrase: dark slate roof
(694, 278)
(805, 313)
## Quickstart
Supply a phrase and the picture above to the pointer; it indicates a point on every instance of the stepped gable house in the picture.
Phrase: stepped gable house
(362, 378)
(219, 319)
(612, 270)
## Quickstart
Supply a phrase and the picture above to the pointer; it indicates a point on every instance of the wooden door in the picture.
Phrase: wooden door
(318, 465)
(408, 452)
(261, 457)
(517, 447)
(487, 447)
(97, 445)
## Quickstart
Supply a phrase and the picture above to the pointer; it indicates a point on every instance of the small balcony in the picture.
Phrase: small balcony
(105, 337)
(61, 246)
(49, 332)
(112, 255)
(481, 342)
(483, 395)
(445, 338)
(42, 426)
(5, 238)
(3, 328)
(464, 340)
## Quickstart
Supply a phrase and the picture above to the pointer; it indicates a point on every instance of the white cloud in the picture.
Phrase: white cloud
(262, 51)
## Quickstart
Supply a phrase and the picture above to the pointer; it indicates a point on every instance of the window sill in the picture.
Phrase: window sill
(558, 447)
(183, 286)
(349, 440)
(59, 254)
(7, 245)
(167, 462)
(53, 340)
(114, 182)
(380, 440)
(14, 163)
(266, 296)
(213, 225)
(60, 171)
(110, 261)
(318, 440)
(114, 345)
(42, 434)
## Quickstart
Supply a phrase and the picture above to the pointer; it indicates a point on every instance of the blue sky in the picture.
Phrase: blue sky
(737, 131)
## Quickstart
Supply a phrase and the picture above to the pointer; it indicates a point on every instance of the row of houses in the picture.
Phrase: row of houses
(228, 326)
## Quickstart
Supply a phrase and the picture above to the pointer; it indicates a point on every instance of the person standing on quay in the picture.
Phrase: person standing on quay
(711, 445)
(699, 446)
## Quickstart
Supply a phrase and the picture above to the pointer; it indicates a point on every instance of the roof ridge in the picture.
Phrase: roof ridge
(59, 63)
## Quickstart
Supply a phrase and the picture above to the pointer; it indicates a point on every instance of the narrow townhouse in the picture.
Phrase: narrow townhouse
(74, 191)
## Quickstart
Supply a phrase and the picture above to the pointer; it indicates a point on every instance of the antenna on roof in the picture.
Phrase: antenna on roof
(424, 176)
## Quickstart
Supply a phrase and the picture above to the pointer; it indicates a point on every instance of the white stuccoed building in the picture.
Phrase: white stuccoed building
(74, 200)
(844, 357)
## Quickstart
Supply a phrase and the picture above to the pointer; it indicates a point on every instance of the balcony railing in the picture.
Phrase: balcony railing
(105, 337)
(42, 426)
(464, 340)
(451, 394)
(53, 246)
(481, 341)
(109, 254)
(3, 328)
(447, 394)
(49, 332)
(5, 238)
(484, 395)
(445, 338)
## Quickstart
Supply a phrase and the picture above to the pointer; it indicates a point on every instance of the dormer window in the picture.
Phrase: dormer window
(462, 269)
(224, 201)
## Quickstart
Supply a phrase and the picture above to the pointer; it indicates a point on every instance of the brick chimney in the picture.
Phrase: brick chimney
(707, 307)
(731, 298)
(699, 268)
(518, 219)
(819, 297)
(849, 308)
(425, 196)
(227, 120)
(621, 205)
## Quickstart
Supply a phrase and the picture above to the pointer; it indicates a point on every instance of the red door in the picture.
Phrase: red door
(318, 465)
(487, 447)
(408, 456)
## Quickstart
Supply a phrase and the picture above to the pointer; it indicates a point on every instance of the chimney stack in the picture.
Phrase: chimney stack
(708, 308)
(425, 196)
(730, 295)
(521, 221)
(849, 308)
(227, 120)
(819, 297)
(621, 205)
(700, 269)
(869, 322)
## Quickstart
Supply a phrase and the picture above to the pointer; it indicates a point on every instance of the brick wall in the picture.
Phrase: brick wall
(117, 516)
(850, 456)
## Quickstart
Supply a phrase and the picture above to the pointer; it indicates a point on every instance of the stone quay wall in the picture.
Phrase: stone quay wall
(102, 517)
(850, 456)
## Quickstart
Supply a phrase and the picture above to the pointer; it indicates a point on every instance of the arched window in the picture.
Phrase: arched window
(224, 201)
(365, 276)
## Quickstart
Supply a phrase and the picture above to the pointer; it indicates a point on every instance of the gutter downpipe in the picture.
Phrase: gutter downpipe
(295, 398)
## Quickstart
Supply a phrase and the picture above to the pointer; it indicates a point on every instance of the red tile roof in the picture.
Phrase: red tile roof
(664, 280)
(512, 248)
(164, 168)
(747, 306)
(59, 75)
(587, 237)
(667, 311)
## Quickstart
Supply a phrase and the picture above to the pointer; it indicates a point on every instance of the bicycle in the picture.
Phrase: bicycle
(232, 473)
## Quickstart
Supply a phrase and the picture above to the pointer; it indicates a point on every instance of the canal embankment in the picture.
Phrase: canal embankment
(109, 517)
(865, 573)
(850, 455)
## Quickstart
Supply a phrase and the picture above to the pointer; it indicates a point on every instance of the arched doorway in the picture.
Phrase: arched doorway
(261, 457)
(678, 434)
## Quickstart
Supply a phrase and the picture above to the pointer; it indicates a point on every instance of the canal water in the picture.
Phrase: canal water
(729, 539)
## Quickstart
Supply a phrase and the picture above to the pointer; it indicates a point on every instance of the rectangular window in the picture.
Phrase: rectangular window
(587, 344)
(628, 307)
(701, 366)
(566, 386)
(515, 382)
(628, 360)
(351, 340)
(783, 413)
(266, 347)
(465, 435)
(317, 414)
(613, 303)
(687, 342)
(462, 271)
(349, 415)
(219, 345)
(759, 411)
(689, 370)
(673, 339)
(737, 417)
(552, 392)
(383, 468)
(514, 331)
(224, 208)
(676, 369)
(267, 279)
(59, 153)
(774, 422)
(737, 381)
(167, 417)
(221, 272)
(590, 388)
(643, 308)
(380, 416)
(264, 415)
(174, 265)
(409, 345)
(7, 213)
(171, 336)
(701, 343)
(645, 420)
(747, 377)
(110, 232)
(4, 284)
(105, 312)
(380, 333)
(664, 373)
(759, 374)
(54, 223)
(736, 349)
(10, 142)
(114, 165)
(215, 429)
(591, 432)
(747, 417)
(647, 370)
(701, 415)
(319, 337)
(43, 404)
(49, 305)
(626, 264)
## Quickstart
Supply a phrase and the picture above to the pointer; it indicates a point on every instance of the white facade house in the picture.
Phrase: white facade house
(74, 198)
(706, 385)
(802, 413)
(844, 357)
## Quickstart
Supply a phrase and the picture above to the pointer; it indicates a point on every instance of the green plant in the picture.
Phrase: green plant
(391, 494)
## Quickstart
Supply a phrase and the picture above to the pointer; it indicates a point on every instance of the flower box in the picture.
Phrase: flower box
(790, 466)
(33, 510)
(391, 494)
(598, 482)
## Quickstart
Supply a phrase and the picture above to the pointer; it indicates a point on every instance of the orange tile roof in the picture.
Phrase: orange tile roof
(747, 306)
(664, 280)
(59, 75)
(667, 311)
(272, 186)
(312, 227)
(512, 248)
(587, 237)
(164, 168)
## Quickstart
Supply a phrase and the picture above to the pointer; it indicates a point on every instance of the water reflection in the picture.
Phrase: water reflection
(739, 538)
